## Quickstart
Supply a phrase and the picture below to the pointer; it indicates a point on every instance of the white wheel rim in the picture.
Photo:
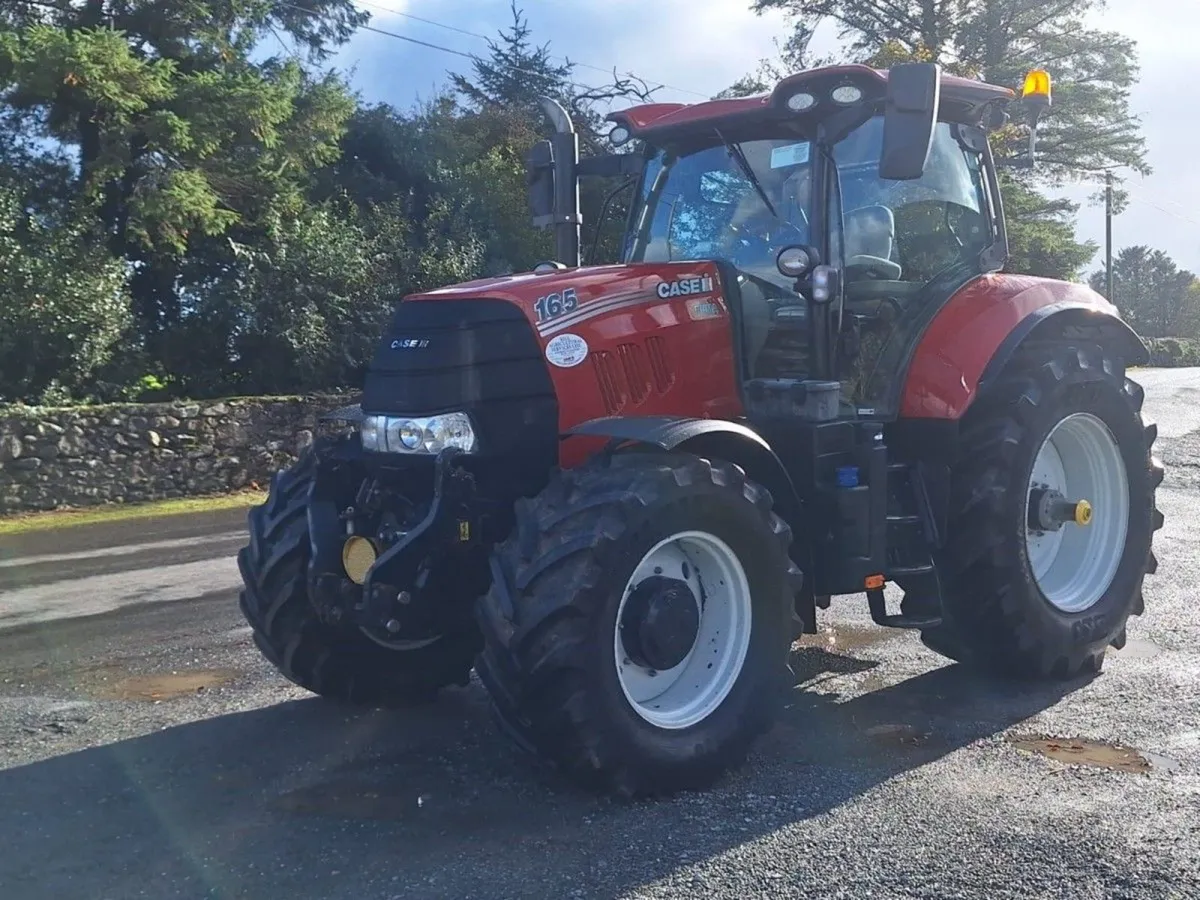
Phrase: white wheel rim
(1074, 565)
(691, 691)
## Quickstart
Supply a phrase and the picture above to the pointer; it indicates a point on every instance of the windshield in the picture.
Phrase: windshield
(890, 239)
(702, 205)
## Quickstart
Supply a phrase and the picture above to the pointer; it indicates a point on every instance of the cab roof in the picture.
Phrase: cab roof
(962, 99)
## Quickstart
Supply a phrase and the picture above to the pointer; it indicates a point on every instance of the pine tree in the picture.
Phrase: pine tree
(515, 73)
(1090, 125)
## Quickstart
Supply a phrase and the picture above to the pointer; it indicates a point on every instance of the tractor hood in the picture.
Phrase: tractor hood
(569, 294)
(522, 284)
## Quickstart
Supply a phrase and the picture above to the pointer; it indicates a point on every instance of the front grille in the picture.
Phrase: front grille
(608, 379)
(476, 355)
(664, 377)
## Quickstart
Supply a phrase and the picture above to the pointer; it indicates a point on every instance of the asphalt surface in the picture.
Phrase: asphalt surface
(146, 750)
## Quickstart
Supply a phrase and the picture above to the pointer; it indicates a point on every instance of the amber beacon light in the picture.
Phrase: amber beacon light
(1035, 96)
(1036, 90)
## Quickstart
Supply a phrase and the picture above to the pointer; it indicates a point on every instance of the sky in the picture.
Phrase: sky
(699, 48)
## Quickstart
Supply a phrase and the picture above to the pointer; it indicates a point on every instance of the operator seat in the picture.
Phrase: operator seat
(869, 234)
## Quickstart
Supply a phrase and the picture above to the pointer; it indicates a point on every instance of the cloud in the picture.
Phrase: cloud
(701, 48)
(1164, 209)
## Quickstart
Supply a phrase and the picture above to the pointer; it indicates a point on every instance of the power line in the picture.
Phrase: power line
(1138, 195)
(1141, 198)
(432, 46)
(484, 37)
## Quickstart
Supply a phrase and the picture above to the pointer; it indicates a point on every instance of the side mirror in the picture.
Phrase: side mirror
(909, 119)
(540, 178)
(796, 260)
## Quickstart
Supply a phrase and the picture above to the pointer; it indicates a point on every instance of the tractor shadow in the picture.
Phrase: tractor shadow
(303, 800)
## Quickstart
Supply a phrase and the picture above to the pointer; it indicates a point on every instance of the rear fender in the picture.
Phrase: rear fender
(1067, 321)
(976, 333)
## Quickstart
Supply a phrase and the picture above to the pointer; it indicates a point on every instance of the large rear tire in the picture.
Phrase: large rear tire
(1031, 601)
(600, 654)
(340, 663)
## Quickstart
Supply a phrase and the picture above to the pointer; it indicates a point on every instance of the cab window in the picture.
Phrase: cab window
(910, 231)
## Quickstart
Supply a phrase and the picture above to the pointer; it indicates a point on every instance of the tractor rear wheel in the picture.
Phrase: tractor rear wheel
(340, 663)
(1052, 518)
(637, 630)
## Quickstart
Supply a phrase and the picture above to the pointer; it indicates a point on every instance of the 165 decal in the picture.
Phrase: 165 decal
(554, 305)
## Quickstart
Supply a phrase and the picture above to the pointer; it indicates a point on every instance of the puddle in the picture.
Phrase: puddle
(1138, 649)
(1098, 754)
(842, 637)
(163, 687)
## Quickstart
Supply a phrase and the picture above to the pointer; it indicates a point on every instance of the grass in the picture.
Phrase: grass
(23, 523)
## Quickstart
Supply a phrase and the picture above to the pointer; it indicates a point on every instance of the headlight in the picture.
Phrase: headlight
(414, 434)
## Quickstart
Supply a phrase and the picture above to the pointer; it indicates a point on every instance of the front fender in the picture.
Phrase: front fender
(665, 432)
(719, 438)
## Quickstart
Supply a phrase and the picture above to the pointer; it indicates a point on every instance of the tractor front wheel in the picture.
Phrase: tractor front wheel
(637, 629)
(341, 663)
(1052, 518)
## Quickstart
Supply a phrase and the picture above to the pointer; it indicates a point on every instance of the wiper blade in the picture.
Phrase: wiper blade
(739, 156)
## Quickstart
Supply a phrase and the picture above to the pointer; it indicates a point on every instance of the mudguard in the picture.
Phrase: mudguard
(666, 432)
(1069, 320)
(975, 334)
(731, 441)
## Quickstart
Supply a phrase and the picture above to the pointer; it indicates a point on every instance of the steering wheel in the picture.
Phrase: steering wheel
(872, 268)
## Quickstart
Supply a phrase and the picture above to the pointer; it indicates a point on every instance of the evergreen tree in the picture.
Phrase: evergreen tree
(1157, 297)
(515, 73)
(1090, 125)
(175, 135)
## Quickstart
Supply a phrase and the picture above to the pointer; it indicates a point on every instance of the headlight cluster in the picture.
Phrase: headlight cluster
(412, 434)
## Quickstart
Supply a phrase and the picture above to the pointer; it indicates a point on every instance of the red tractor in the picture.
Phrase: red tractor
(618, 493)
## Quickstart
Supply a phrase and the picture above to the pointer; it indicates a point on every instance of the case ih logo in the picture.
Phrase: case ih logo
(410, 344)
(685, 287)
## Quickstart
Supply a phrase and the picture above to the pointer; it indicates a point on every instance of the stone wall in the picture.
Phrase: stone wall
(84, 456)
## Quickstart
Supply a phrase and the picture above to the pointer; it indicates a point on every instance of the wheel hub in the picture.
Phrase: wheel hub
(1049, 510)
(660, 623)
(1079, 458)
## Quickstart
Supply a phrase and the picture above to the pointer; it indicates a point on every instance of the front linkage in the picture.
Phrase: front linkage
(381, 579)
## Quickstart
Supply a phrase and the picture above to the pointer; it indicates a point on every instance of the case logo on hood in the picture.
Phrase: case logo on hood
(685, 287)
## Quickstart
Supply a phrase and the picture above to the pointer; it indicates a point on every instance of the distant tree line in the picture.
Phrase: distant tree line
(181, 215)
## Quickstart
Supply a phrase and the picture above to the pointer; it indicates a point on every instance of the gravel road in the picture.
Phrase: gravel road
(147, 751)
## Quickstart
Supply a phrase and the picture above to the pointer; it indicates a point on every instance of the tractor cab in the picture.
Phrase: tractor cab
(842, 210)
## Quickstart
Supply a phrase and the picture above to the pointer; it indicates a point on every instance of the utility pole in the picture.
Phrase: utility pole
(1108, 265)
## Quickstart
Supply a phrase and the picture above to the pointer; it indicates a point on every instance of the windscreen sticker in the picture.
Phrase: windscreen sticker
(566, 350)
(789, 155)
